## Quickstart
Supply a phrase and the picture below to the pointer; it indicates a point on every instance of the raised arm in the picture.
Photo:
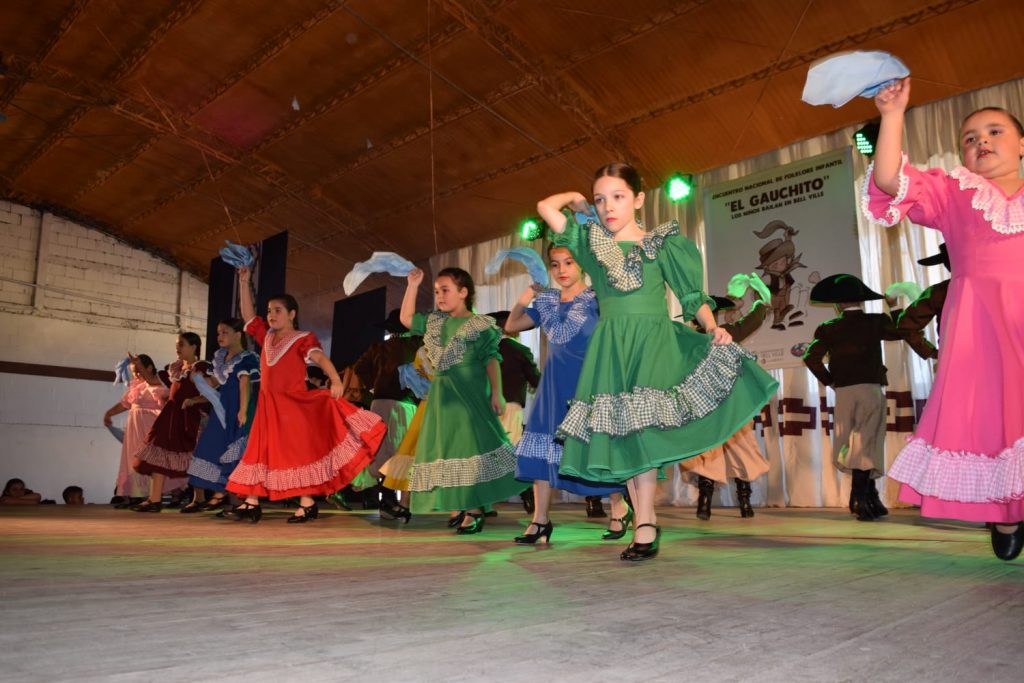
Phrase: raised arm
(245, 294)
(550, 209)
(518, 319)
(892, 105)
(408, 309)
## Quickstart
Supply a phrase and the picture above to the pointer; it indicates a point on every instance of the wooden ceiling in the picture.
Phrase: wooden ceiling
(378, 124)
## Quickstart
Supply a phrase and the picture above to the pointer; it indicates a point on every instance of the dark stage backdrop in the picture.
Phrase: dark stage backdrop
(355, 326)
(268, 273)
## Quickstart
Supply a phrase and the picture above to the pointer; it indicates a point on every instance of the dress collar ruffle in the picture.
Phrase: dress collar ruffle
(1004, 214)
(561, 329)
(625, 271)
(444, 356)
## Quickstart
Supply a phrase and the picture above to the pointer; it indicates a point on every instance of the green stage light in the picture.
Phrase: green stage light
(679, 187)
(866, 138)
(531, 229)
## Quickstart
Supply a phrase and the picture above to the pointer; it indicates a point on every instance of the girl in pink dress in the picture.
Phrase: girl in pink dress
(966, 459)
(142, 401)
(302, 443)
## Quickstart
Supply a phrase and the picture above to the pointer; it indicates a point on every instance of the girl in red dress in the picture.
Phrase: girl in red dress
(303, 443)
(169, 446)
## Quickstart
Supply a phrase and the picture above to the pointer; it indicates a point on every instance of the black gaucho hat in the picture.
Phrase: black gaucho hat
(842, 289)
(722, 303)
(500, 318)
(393, 323)
(936, 259)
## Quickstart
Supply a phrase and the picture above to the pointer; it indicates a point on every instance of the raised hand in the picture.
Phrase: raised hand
(894, 98)
(244, 276)
(415, 277)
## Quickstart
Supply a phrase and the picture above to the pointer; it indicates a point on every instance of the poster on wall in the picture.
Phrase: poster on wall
(791, 226)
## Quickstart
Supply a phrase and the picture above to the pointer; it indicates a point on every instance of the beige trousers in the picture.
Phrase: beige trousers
(858, 442)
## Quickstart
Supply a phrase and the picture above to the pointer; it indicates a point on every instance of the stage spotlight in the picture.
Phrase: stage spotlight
(866, 138)
(531, 229)
(679, 187)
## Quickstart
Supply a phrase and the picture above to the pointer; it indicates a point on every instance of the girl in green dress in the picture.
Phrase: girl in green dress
(463, 460)
(652, 391)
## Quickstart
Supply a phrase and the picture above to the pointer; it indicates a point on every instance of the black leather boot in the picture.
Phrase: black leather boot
(859, 492)
(877, 508)
(705, 490)
(743, 496)
(595, 510)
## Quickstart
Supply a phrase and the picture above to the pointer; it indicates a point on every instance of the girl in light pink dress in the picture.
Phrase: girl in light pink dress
(143, 400)
(966, 458)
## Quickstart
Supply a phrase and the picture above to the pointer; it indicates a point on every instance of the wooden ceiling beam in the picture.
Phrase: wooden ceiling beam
(848, 42)
(266, 52)
(59, 31)
(122, 69)
(478, 17)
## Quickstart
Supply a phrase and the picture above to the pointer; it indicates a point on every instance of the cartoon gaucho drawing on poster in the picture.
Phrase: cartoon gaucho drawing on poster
(786, 225)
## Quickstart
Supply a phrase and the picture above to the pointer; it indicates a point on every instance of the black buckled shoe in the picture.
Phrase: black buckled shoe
(743, 496)
(705, 489)
(595, 509)
(309, 513)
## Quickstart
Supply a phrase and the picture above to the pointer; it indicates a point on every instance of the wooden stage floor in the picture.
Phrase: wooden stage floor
(96, 594)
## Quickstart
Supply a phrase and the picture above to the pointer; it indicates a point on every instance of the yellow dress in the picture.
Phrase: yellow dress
(396, 469)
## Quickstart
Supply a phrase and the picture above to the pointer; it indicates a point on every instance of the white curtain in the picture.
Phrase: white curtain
(795, 429)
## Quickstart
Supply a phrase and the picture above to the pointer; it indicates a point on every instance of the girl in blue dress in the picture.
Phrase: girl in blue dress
(568, 316)
(220, 446)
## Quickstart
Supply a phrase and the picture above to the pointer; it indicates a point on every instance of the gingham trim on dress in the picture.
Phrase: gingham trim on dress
(633, 411)
(274, 351)
(223, 368)
(206, 471)
(1006, 216)
(476, 469)
(558, 330)
(234, 451)
(539, 447)
(961, 476)
(449, 355)
(892, 213)
(174, 461)
(625, 272)
(313, 474)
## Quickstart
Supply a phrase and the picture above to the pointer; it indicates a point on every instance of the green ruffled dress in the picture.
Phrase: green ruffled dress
(652, 391)
(464, 459)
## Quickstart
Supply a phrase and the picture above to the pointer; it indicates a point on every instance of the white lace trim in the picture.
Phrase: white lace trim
(961, 476)
(561, 330)
(450, 354)
(275, 351)
(223, 368)
(892, 212)
(1006, 216)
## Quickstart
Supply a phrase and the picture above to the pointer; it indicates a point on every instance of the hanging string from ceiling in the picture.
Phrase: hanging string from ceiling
(433, 160)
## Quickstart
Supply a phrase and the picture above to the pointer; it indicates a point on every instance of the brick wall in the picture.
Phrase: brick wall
(97, 300)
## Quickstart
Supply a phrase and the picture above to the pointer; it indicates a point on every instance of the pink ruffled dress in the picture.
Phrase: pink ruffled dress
(143, 401)
(966, 458)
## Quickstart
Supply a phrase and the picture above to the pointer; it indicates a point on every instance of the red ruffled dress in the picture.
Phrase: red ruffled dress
(172, 439)
(302, 443)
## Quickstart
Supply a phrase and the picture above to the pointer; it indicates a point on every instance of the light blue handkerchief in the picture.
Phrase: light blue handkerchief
(123, 371)
(380, 262)
(528, 257)
(409, 378)
(838, 79)
(236, 255)
(211, 395)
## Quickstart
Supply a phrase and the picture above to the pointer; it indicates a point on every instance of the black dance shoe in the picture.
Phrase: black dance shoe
(391, 510)
(309, 513)
(147, 506)
(874, 502)
(192, 507)
(456, 520)
(610, 535)
(215, 503)
(1008, 546)
(476, 527)
(543, 531)
(637, 552)
(245, 512)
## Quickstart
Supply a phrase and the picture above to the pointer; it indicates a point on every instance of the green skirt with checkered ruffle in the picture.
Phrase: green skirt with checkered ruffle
(653, 392)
